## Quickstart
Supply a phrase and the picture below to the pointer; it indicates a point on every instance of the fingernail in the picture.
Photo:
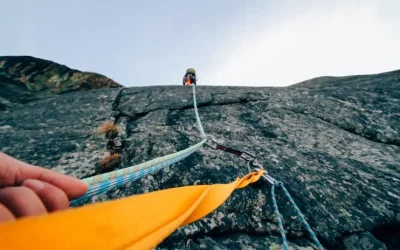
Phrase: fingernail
(35, 185)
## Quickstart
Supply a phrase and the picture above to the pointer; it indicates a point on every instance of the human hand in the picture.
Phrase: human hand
(27, 190)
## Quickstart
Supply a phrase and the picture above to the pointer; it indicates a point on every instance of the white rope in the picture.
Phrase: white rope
(200, 127)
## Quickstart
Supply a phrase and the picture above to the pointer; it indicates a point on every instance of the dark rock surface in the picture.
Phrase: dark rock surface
(58, 130)
(336, 148)
(363, 241)
(24, 79)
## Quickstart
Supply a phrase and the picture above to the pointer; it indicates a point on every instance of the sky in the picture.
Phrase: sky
(228, 42)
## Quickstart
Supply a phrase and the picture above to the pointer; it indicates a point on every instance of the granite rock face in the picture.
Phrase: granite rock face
(363, 241)
(336, 148)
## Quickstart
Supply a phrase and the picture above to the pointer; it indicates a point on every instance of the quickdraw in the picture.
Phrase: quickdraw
(251, 159)
(102, 183)
(247, 156)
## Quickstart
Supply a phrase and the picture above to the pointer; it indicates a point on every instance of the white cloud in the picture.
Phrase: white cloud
(351, 39)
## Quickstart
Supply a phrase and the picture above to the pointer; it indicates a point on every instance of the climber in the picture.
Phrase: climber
(190, 77)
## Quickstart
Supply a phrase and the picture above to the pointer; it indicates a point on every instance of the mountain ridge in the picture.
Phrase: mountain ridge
(29, 78)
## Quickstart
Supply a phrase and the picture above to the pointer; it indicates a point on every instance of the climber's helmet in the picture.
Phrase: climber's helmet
(191, 71)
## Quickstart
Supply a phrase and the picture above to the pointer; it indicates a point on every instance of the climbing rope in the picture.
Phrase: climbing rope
(102, 183)
(201, 130)
(251, 158)
(136, 222)
(303, 219)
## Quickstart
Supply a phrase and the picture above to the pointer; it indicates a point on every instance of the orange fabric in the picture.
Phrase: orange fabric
(187, 81)
(136, 222)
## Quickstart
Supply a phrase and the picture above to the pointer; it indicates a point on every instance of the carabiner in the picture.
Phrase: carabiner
(213, 140)
(265, 175)
(247, 156)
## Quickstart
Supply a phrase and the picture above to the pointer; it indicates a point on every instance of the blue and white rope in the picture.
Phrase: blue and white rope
(303, 219)
(102, 183)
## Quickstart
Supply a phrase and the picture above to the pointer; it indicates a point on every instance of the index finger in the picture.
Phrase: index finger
(14, 172)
